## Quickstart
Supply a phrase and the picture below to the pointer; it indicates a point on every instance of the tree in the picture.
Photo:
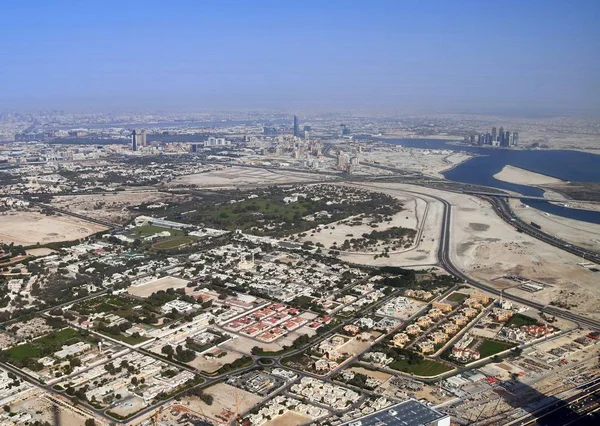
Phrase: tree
(90, 422)
(168, 350)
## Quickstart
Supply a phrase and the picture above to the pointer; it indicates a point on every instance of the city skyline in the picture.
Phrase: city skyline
(350, 55)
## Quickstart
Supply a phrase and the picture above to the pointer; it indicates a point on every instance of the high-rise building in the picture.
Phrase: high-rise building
(134, 141)
(141, 138)
(296, 127)
(488, 138)
(494, 134)
(515, 141)
(506, 139)
(341, 160)
(500, 135)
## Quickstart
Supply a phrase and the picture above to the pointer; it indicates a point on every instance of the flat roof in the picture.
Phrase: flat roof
(407, 413)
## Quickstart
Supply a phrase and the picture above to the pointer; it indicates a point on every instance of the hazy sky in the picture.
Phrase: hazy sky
(489, 56)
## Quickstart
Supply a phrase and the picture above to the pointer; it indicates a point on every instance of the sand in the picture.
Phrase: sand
(485, 247)
(39, 251)
(410, 217)
(379, 375)
(226, 398)
(289, 418)
(235, 176)
(164, 283)
(211, 365)
(30, 228)
(512, 174)
(114, 205)
(425, 253)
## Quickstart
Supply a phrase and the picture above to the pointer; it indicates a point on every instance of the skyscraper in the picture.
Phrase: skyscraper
(141, 138)
(133, 141)
(494, 134)
(515, 140)
(296, 127)
(506, 139)
(501, 135)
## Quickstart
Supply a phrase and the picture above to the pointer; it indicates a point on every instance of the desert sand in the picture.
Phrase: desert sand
(512, 174)
(235, 176)
(338, 232)
(226, 399)
(30, 228)
(425, 253)
(114, 204)
(485, 248)
(164, 283)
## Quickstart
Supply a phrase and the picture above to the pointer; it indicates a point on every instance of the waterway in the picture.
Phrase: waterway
(573, 166)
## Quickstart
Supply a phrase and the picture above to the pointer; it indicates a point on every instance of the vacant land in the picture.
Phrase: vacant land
(146, 289)
(520, 176)
(425, 368)
(210, 365)
(227, 401)
(31, 228)
(289, 418)
(237, 176)
(112, 206)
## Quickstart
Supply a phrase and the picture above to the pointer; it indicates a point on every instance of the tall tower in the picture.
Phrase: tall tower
(133, 141)
(296, 127)
(515, 140)
(501, 135)
(142, 138)
(494, 134)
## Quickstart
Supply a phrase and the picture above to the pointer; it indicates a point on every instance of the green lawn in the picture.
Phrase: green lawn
(457, 297)
(492, 347)
(147, 230)
(519, 319)
(173, 242)
(425, 368)
(35, 349)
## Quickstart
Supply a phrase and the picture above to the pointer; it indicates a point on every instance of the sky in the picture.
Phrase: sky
(522, 56)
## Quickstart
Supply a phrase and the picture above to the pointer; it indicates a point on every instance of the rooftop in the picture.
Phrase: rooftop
(407, 413)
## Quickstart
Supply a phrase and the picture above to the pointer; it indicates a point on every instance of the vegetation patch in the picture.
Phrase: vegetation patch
(518, 320)
(492, 347)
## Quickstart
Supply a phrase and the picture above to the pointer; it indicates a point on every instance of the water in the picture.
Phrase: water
(571, 166)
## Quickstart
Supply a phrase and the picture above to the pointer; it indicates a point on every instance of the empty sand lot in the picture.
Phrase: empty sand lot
(227, 400)
(289, 418)
(30, 228)
(112, 206)
(164, 283)
(235, 176)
